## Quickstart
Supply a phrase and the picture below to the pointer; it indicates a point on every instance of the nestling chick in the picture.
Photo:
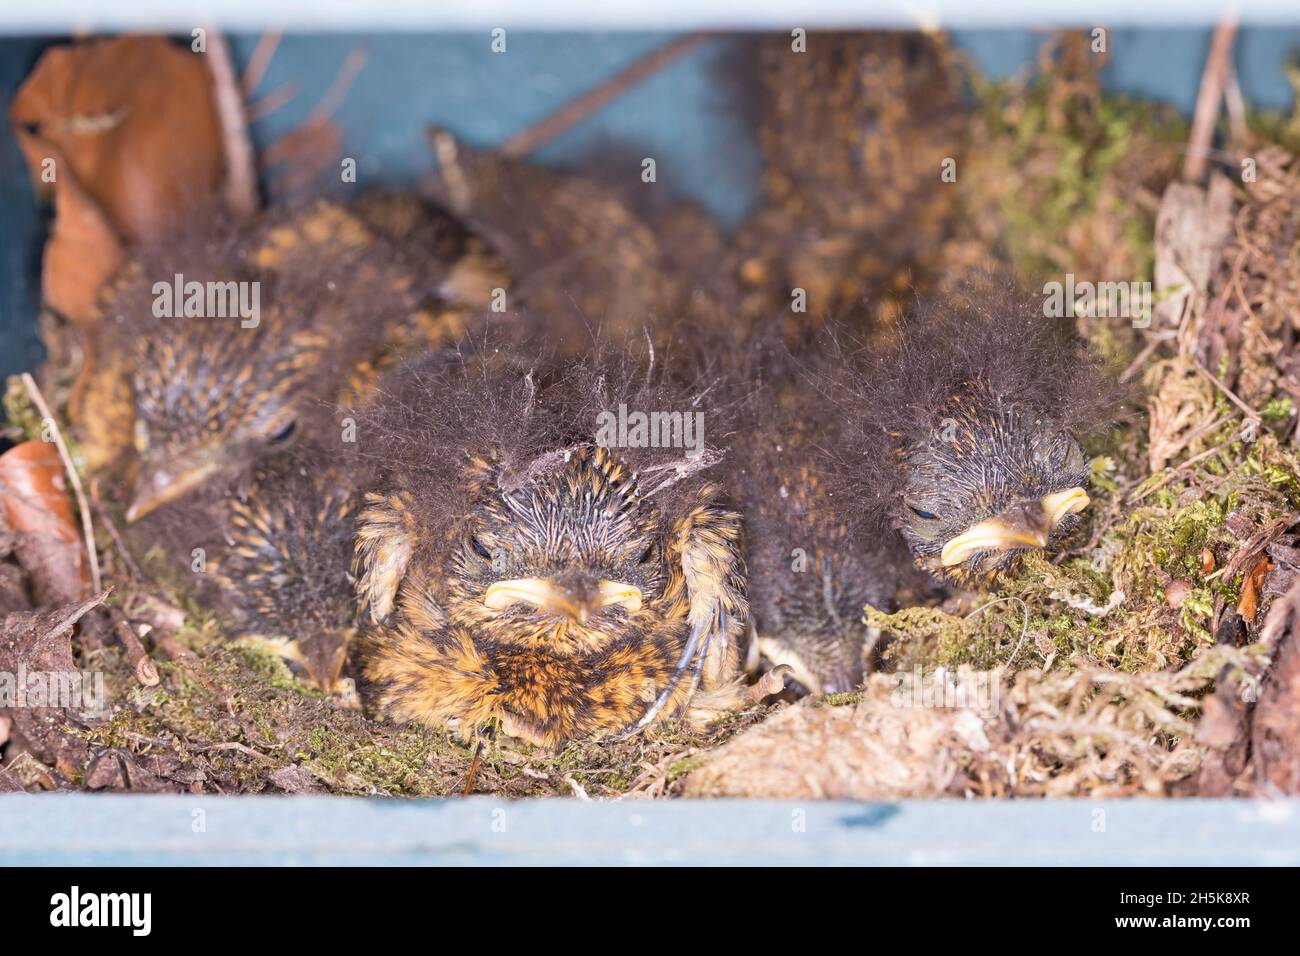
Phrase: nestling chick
(965, 434)
(592, 255)
(813, 560)
(813, 565)
(518, 574)
(283, 567)
(855, 129)
(273, 552)
(277, 321)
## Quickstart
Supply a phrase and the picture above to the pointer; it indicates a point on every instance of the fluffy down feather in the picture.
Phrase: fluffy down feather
(216, 392)
(977, 407)
(518, 572)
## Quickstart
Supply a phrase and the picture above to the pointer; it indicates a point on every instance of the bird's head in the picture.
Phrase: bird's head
(991, 482)
(282, 568)
(213, 401)
(512, 569)
(964, 430)
(570, 561)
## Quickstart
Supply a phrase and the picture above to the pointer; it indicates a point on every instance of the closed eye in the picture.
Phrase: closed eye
(923, 515)
(284, 434)
(479, 549)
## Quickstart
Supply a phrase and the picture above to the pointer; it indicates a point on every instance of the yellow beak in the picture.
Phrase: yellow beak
(159, 484)
(1023, 527)
(543, 593)
(1063, 503)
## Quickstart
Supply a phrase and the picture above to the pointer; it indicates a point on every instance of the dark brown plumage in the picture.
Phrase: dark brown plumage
(957, 441)
(517, 574)
(813, 558)
(813, 565)
(597, 251)
(216, 393)
(964, 434)
(282, 566)
(271, 551)
(854, 132)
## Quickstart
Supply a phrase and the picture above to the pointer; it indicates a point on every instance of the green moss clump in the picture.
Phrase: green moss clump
(23, 419)
(843, 699)
(1064, 173)
(248, 719)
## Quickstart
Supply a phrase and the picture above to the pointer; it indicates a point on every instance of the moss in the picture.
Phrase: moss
(270, 667)
(1277, 411)
(21, 415)
(261, 720)
(24, 422)
(844, 699)
(1084, 164)
(680, 768)
(1056, 187)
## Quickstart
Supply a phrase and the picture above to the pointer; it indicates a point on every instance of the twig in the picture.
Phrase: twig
(1236, 104)
(1229, 393)
(576, 787)
(1174, 472)
(276, 99)
(131, 566)
(235, 746)
(352, 66)
(1208, 99)
(447, 151)
(1139, 363)
(141, 665)
(255, 72)
(88, 529)
(73, 615)
(182, 656)
(241, 165)
(489, 734)
(536, 136)
(473, 770)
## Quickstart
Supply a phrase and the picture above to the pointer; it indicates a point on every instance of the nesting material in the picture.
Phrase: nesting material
(1068, 733)
(1155, 653)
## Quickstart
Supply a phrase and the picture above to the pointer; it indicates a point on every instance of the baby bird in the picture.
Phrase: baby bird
(964, 435)
(273, 552)
(855, 129)
(958, 442)
(241, 337)
(283, 567)
(813, 560)
(519, 573)
(813, 564)
(593, 255)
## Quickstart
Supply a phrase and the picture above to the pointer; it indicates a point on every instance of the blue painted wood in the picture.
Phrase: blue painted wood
(180, 830)
(678, 116)
(21, 229)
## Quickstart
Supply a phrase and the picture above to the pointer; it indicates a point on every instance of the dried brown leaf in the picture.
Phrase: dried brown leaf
(39, 510)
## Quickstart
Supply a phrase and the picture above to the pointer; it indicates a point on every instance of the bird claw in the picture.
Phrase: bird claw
(770, 684)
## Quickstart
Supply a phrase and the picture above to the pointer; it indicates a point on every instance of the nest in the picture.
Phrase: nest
(1154, 655)
(977, 734)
